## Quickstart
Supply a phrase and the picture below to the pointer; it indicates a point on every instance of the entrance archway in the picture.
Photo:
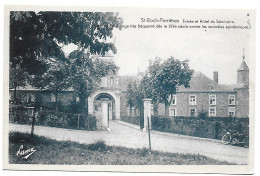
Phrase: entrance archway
(104, 110)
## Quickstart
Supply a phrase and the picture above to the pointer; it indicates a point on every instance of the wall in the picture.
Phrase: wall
(242, 101)
(202, 102)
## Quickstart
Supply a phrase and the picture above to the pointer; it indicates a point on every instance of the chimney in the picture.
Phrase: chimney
(215, 76)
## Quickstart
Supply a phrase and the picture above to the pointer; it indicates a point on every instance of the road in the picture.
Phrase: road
(127, 135)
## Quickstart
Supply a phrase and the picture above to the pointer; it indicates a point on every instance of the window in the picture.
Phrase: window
(231, 100)
(192, 112)
(192, 100)
(111, 81)
(173, 112)
(212, 111)
(53, 98)
(231, 111)
(174, 100)
(212, 99)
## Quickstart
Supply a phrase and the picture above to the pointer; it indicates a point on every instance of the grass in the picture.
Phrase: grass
(53, 152)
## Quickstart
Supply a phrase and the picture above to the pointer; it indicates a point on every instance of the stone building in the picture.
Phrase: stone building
(208, 95)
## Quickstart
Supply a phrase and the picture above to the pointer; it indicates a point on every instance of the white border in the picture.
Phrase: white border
(140, 3)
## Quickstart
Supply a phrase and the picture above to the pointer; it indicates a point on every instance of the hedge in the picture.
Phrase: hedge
(53, 119)
(209, 127)
(130, 119)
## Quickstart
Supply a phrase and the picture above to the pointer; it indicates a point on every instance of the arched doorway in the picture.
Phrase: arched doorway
(104, 110)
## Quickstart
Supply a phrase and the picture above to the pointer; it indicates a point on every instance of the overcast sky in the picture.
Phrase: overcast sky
(211, 50)
(207, 49)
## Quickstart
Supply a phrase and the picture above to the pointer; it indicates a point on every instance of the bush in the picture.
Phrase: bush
(98, 146)
(196, 126)
(130, 119)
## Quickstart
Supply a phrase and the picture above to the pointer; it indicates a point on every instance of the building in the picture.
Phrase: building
(204, 94)
(208, 95)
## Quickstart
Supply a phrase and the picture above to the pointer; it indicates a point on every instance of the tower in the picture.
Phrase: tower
(243, 74)
(242, 90)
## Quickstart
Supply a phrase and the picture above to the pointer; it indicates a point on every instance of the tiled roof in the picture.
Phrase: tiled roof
(201, 83)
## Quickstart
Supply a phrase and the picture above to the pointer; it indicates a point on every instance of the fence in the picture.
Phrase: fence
(209, 127)
(52, 119)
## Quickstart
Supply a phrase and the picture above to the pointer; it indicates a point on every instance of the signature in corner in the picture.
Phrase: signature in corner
(25, 153)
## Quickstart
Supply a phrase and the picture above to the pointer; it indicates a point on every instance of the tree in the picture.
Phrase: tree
(37, 36)
(85, 74)
(135, 95)
(130, 95)
(55, 79)
(203, 113)
(18, 78)
(166, 77)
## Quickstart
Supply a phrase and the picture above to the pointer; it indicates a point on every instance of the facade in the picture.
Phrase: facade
(208, 95)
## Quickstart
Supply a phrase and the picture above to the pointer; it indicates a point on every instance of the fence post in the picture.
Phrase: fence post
(78, 121)
(147, 113)
(33, 121)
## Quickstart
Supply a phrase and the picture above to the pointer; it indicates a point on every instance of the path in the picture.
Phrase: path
(126, 135)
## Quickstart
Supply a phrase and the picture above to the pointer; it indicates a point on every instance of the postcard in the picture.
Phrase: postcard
(129, 89)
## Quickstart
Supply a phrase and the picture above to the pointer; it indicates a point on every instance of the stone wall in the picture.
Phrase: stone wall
(202, 103)
(242, 103)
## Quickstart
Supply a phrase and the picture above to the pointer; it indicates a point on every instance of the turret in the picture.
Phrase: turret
(243, 74)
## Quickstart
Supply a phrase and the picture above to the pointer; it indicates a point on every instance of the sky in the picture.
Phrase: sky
(207, 49)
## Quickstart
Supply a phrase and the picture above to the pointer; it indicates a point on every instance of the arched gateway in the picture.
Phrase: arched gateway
(105, 105)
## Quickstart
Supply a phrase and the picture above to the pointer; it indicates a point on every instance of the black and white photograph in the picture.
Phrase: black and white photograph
(129, 89)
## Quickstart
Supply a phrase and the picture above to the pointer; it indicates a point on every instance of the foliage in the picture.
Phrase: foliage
(18, 77)
(98, 146)
(133, 120)
(134, 94)
(194, 126)
(85, 74)
(166, 77)
(37, 36)
(36, 41)
(79, 154)
(202, 113)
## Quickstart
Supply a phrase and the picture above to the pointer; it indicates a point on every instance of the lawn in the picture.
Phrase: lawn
(53, 152)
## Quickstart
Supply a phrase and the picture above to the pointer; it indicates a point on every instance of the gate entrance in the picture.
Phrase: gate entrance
(104, 110)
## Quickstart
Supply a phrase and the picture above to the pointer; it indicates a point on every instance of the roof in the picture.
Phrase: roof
(125, 80)
(243, 66)
(201, 83)
(31, 88)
